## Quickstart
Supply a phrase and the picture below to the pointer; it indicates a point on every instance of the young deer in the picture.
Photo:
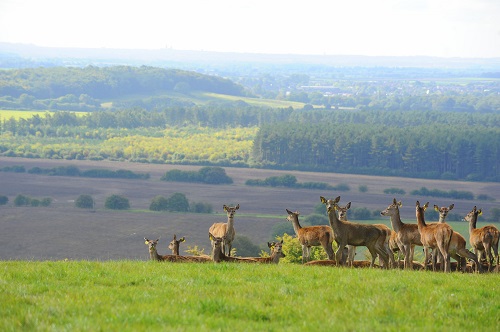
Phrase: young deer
(218, 255)
(174, 245)
(408, 235)
(458, 250)
(483, 239)
(342, 215)
(225, 230)
(434, 236)
(153, 254)
(349, 233)
(311, 236)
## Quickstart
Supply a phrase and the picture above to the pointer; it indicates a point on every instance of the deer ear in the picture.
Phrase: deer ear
(348, 205)
(288, 211)
(400, 204)
(182, 239)
(322, 199)
(210, 236)
(436, 207)
(451, 207)
(480, 212)
(237, 207)
(426, 205)
(225, 208)
(394, 201)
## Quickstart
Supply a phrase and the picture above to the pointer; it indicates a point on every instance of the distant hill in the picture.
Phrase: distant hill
(22, 55)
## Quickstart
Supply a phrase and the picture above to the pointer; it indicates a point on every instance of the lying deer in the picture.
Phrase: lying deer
(225, 230)
(434, 236)
(174, 245)
(218, 256)
(355, 264)
(311, 236)
(408, 235)
(355, 234)
(153, 254)
(484, 239)
(276, 254)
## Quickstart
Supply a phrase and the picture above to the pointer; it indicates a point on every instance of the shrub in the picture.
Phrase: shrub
(361, 213)
(342, 187)
(46, 201)
(117, 202)
(396, 191)
(22, 200)
(201, 207)
(245, 247)
(84, 202)
(316, 219)
(159, 203)
(3, 199)
(178, 202)
(363, 188)
(214, 175)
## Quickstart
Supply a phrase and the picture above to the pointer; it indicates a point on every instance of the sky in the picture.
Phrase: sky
(443, 28)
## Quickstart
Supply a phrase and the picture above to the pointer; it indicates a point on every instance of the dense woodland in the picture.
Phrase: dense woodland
(450, 131)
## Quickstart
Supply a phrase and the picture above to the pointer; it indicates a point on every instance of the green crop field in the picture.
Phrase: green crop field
(20, 114)
(147, 295)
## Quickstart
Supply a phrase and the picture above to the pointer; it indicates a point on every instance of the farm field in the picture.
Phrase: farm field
(62, 231)
(17, 114)
(139, 296)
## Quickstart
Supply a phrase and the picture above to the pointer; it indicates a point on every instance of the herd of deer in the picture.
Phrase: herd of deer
(380, 240)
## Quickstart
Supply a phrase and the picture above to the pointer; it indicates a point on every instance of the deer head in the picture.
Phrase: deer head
(471, 217)
(392, 209)
(151, 244)
(342, 211)
(330, 203)
(443, 211)
(231, 210)
(174, 244)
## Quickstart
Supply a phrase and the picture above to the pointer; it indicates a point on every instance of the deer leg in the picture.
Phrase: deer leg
(373, 253)
(305, 254)
(351, 252)
(338, 253)
(488, 254)
(426, 258)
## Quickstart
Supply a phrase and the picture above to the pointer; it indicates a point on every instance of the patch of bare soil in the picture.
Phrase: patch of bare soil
(62, 231)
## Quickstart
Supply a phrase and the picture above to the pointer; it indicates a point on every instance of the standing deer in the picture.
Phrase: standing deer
(225, 230)
(342, 215)
(311, 236)
(458, 250)
(483, 239)
(218, 255)
(408, 235)
(349, 233)
(434, 236)
(153, 254)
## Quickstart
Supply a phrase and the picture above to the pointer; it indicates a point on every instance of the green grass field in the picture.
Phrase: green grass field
(19, 114)
(147, 295)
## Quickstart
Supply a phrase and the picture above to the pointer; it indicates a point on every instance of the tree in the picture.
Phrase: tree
(214, 175)
(178, 202)
(117, 202)
(84, 202)
(245, 247)
(22, 200)
(159, 203)
(3, 199)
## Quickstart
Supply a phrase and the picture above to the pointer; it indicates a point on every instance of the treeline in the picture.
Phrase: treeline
(75, 171)
(73, 88)
(430, 151)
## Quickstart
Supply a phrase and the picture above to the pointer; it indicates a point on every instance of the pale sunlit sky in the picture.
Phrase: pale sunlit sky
(444, 28)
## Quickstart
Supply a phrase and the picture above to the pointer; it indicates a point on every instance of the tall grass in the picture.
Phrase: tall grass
(137, 296)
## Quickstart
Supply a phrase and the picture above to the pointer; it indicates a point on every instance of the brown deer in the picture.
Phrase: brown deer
(484, 239)
(349, 233)
(434, 236)
(342, 215)
(153, 254)
(408, 235)
(276, 254)
(355, 264)
(458, 250)
(174, 245)
(225, 230)
(219, 256)
(311, 236)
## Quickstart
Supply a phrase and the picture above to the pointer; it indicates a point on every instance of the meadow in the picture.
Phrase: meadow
(139, 296)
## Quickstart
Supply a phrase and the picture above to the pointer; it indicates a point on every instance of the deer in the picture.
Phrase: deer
(484, 239)
(276, 254)
(342, 215)
(218, 255)
(225, 230)
(434, 236)
(311, 236)
(355, 234)
(174, 245)
(153, 254)
(355, 264)
(408, 235)
(458, 250)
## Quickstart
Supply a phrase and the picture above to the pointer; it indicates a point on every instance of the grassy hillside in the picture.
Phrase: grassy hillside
(139, 296)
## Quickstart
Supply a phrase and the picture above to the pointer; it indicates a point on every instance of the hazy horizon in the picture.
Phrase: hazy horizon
(440, 28)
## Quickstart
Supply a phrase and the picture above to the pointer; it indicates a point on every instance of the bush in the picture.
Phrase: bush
(201, 207)
(46, 201)
(84, 202)
(22, 200)
(3, 199)
(363, 188)
(316, 219)
(245, 247)
(395, 191)
(117, 202)
(178, 202)
(361, 214)
(208, 174)
(159, 203)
